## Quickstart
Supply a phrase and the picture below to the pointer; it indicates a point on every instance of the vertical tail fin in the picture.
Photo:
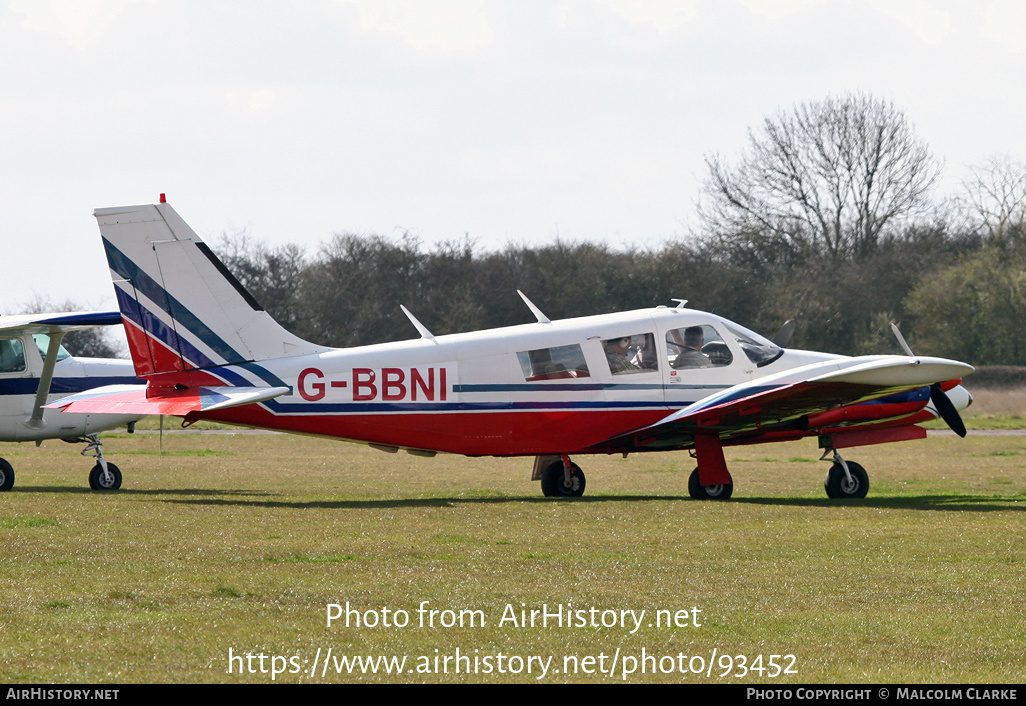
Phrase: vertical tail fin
(183, 310)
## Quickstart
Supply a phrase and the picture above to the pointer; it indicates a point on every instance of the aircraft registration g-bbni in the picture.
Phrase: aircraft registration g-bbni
(656, 379)
(35, 368)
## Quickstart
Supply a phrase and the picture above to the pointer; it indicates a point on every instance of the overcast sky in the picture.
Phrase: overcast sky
(508, 120)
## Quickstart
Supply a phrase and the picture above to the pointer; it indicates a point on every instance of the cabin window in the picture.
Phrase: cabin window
(758, 349)
(12, 356)
(43, 342)
(697, 347)
(553, 363)
(631, 354)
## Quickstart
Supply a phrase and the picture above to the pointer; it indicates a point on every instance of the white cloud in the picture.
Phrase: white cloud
(258, 99)
(930, 23)
(664, 15)
(775, 9)
(79, 22)
(454, 25)
(1005, 23)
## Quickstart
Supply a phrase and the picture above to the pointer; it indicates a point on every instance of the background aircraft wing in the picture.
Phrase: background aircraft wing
(786, 400)
(52, 323)
(132, 399)
(55, 326)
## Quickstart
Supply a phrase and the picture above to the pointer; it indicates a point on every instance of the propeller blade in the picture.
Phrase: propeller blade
(783, 336)
(946, 409)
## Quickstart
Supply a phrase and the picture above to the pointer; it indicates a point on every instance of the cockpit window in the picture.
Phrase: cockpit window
(758, 349)
(697, 347)
(631, 354)
(12, 355)
(553, 363)
(43, 342)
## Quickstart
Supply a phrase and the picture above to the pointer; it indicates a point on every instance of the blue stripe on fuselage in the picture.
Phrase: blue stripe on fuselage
(61, 386)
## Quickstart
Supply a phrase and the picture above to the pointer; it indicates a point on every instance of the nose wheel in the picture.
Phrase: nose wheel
(846, 480)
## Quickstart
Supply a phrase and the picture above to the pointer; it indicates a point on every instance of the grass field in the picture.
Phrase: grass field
(240, 542)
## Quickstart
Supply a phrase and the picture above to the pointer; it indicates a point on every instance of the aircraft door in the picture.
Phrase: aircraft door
(698, 362)
(17, 384)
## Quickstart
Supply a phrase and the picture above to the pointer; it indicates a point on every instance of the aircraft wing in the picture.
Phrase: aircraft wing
(786, 399)
(52, 323)
(132, 399)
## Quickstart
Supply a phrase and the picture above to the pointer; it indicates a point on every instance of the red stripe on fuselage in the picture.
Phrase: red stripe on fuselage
(468, 433)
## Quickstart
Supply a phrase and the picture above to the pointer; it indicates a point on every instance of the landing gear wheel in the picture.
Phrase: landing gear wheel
(709, 492)
(553, 481)
(6, 475)
(98, 481)
(840, 488)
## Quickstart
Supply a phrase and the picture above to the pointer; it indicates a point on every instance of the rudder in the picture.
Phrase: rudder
(182, 308)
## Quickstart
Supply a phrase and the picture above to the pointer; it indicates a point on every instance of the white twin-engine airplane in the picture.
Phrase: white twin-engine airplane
(659, 379)
(35, 368)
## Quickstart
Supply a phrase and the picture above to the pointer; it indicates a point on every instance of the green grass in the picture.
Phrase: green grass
(245, 548)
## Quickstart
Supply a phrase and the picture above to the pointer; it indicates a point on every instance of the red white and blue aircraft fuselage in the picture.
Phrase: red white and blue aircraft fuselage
(647, 380)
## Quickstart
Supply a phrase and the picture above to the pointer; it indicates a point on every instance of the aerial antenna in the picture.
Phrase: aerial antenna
(901, 341)
(680, 302)
(424, 333)
(542, 318)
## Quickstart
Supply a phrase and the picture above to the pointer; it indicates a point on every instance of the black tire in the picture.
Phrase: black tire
(709, 492)
(838, 487)
(6, 475)
(553, 484)
(96, 477)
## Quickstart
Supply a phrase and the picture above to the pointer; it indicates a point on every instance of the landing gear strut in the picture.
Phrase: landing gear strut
(104, 475)
(718, 483)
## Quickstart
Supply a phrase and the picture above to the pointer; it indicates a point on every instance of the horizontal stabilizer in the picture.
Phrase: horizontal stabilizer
(132, 399)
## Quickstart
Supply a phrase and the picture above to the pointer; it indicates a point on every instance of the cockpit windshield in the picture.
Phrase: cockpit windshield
(759, 350)
(43, 342)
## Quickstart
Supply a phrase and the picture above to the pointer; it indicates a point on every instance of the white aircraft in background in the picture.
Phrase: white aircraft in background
(36, 369)
(657, 379)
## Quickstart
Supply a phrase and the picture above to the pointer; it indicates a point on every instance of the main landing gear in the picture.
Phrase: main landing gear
(718, 491)
(103, 476)
(561, 478)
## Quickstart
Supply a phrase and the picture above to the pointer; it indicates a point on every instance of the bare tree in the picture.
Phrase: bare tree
(826, 177)
(994, 200)
(100, 342)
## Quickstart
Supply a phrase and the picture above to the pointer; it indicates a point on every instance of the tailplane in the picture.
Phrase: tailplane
(182, 309)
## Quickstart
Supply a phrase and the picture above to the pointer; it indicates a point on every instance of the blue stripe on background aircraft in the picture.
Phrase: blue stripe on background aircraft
(35, 369)
(658, 379)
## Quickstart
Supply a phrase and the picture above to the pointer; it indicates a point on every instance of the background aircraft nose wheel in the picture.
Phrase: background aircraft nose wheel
(709, 492)
(6, 475)
(98, 480)
(554, 481)
(839, 487)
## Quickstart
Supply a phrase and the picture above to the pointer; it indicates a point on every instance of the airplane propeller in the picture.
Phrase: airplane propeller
(946, 409)
(941, 401)
(783, 336)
